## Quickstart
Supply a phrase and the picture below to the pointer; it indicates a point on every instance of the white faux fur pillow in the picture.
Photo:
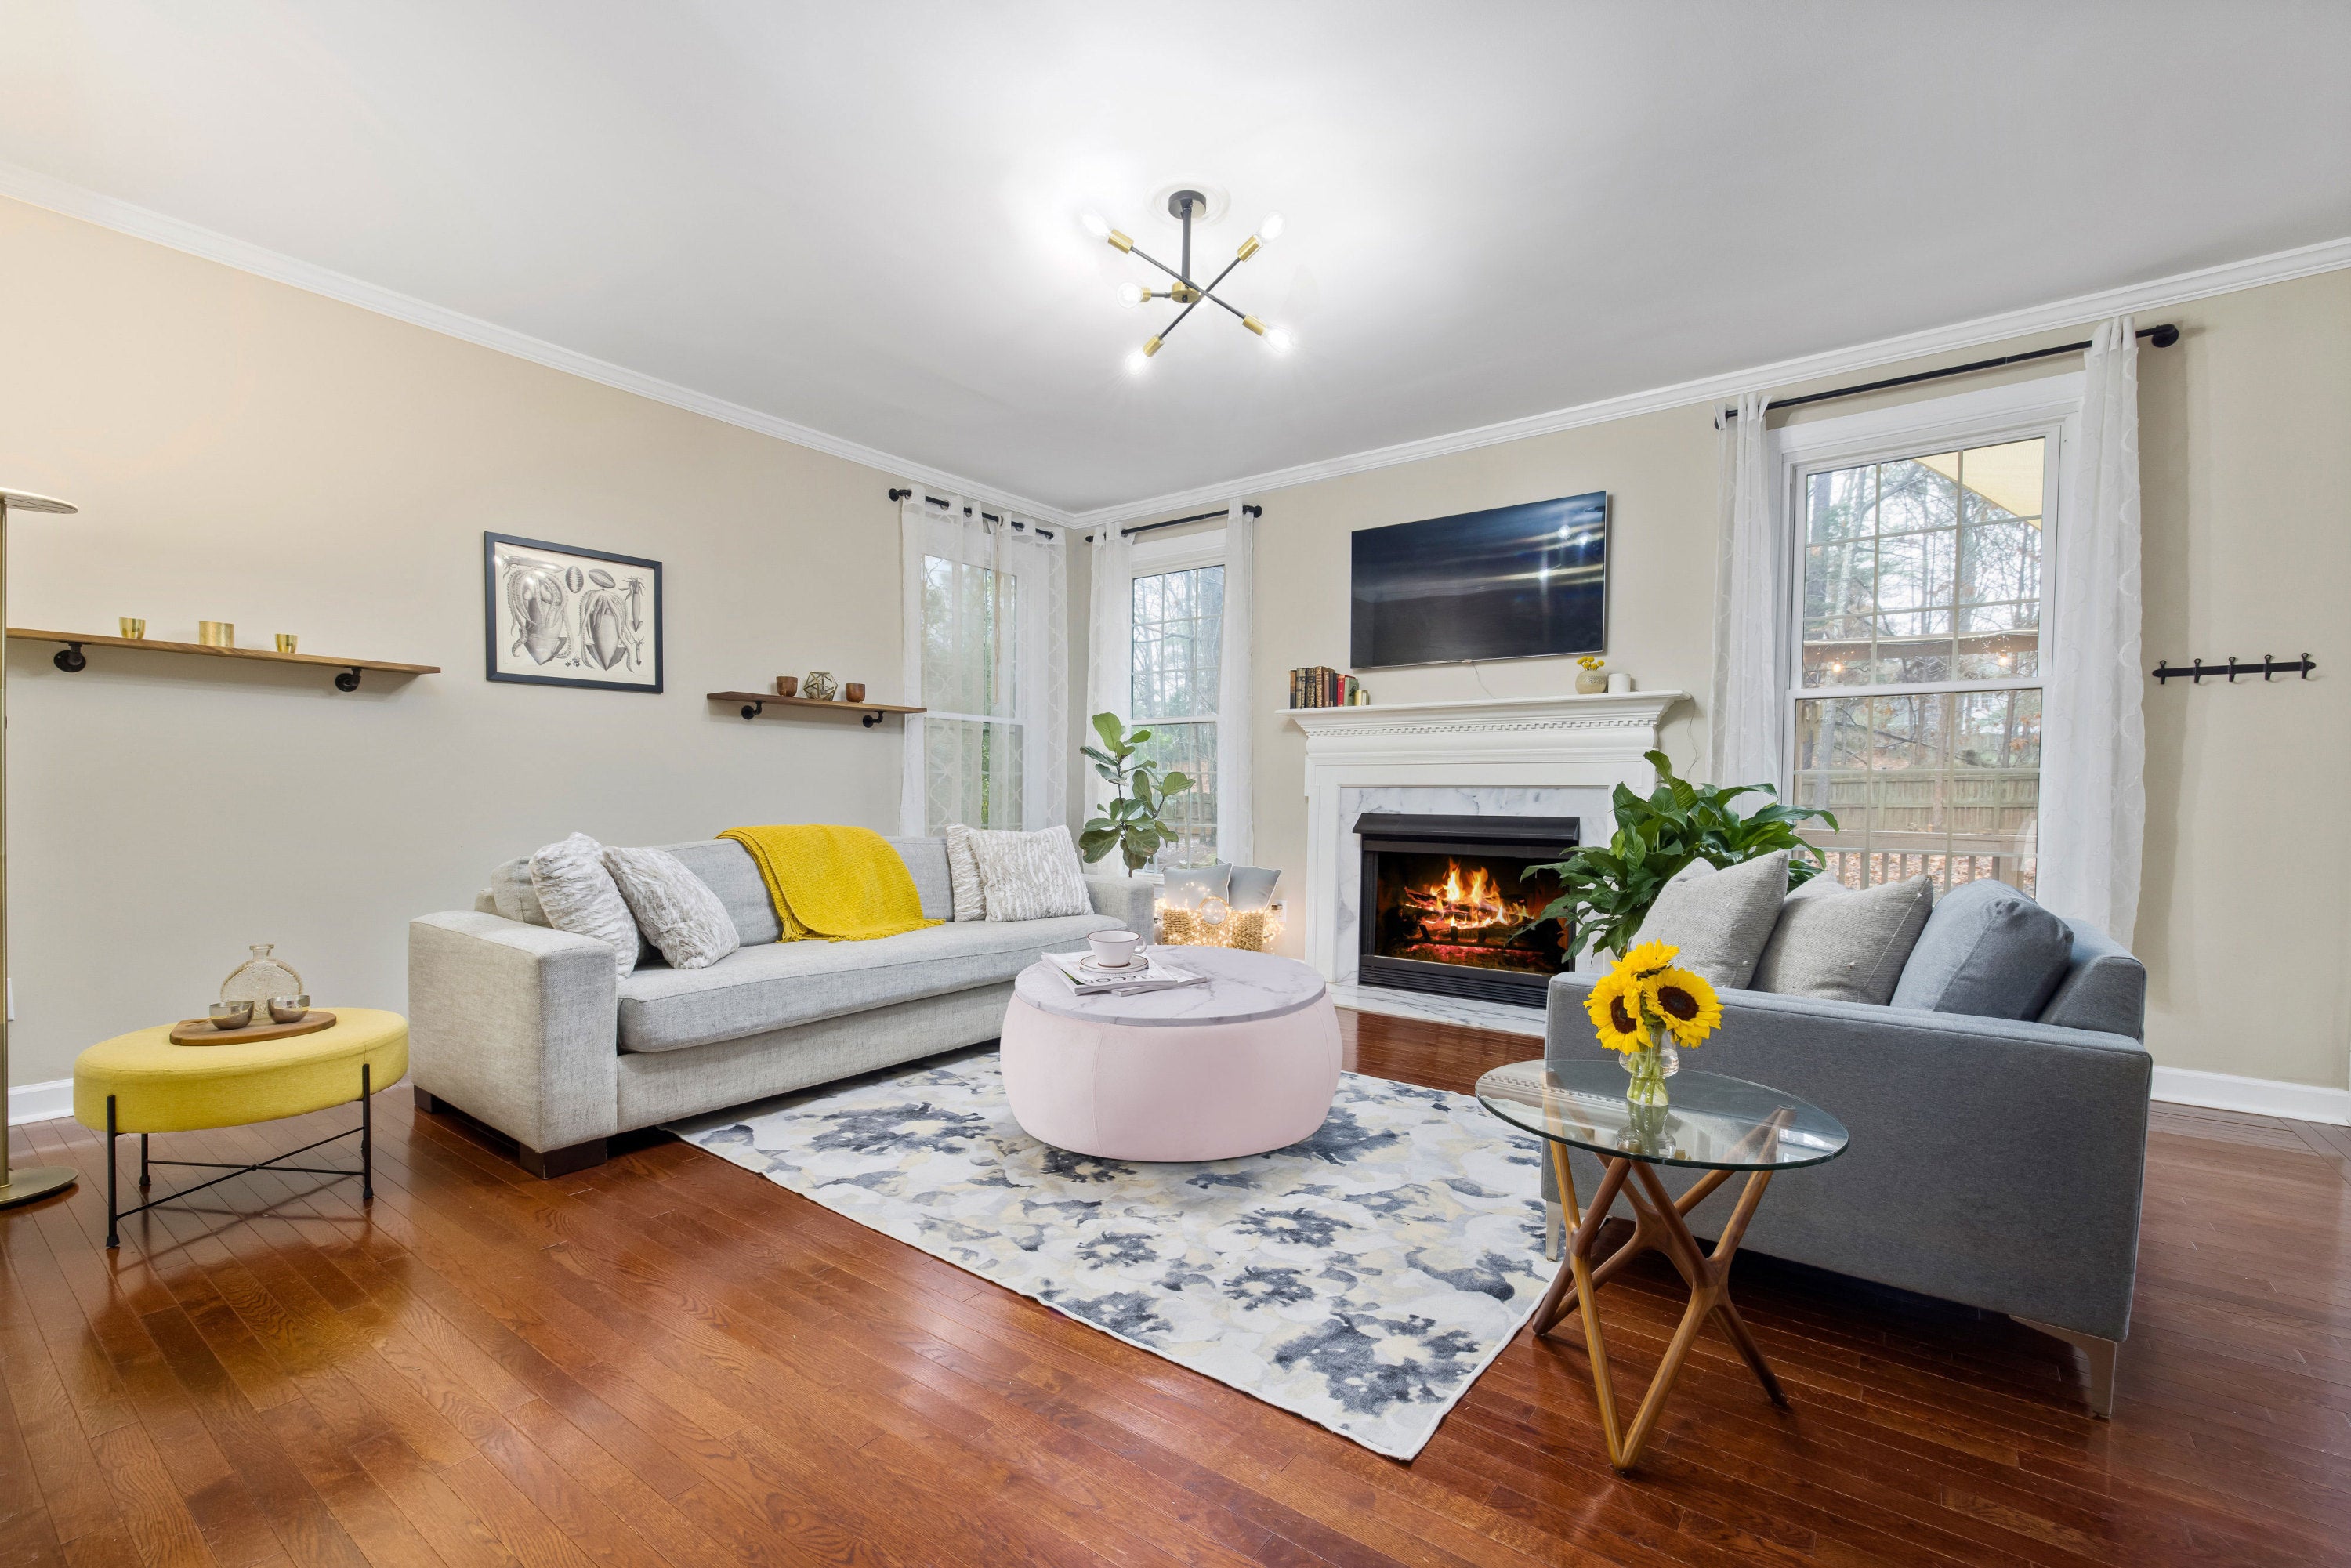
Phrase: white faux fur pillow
(578, 894)
(679, 913)
(963, 875)
(1030, 876)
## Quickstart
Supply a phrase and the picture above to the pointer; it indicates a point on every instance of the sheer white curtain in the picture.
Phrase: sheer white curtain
(1746, 741)
(2094, 738)
(986, 643)
(1109, 646)
(1234, 688)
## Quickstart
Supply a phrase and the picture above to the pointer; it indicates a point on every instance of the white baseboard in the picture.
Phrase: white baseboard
(40, 1102)
(2261, 1096)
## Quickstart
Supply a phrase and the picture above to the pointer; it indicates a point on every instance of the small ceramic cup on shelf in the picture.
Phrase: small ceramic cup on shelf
(216, 633)
(787, 685)
(1619, 681)
(286, 641)
(853, 692)
(133, 627)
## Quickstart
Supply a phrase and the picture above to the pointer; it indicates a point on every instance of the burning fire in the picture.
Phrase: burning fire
(1461, 904)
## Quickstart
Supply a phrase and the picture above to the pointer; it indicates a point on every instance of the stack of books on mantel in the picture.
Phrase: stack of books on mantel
(1320, 686)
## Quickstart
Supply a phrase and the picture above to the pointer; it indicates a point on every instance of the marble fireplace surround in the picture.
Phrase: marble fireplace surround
(1510, 757)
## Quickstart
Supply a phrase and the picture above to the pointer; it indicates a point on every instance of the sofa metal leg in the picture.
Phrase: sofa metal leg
(551, 1163)
(2100, 1353)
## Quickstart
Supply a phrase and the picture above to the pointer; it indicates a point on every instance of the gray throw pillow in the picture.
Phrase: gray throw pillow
(514, 897)
(1186, 887)
(1252, 886)
(1031, 876)
(1988, 950)
(1846, 948)
(965, 894)
(580, 895)
(674, 907)
(1721, 922)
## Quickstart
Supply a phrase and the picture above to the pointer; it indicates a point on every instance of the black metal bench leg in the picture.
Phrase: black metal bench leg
(367, 1135)
(143, 1180)
(113, 1239)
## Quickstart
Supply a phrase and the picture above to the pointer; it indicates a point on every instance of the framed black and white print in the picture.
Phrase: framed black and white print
(556, 615)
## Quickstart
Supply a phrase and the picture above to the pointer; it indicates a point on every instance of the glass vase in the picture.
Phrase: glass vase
(260, 978)
(1649, 1070)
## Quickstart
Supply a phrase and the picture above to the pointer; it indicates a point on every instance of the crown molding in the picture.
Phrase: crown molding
(2280, 266)
(39, 190)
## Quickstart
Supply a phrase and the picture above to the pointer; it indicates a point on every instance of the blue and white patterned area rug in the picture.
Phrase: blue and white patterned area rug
(1362, 1279)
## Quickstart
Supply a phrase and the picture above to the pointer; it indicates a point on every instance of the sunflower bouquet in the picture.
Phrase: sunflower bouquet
(1645, 1008)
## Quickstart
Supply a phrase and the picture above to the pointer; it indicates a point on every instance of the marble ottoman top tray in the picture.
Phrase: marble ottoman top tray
(1242, 987)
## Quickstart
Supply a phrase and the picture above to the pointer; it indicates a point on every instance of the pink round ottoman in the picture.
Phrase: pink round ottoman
(1242, 1065)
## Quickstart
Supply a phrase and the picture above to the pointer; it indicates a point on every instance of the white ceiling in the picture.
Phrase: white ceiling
(864, 219)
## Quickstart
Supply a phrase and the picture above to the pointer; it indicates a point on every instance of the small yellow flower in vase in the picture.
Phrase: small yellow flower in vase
(1646, 1010)
(1592, 680)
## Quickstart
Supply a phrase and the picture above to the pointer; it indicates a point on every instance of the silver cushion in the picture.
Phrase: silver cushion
(782, 984)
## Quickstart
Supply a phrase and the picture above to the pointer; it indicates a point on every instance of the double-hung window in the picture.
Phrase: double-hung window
(1178, 627)
(1915, 708)
(984, 603)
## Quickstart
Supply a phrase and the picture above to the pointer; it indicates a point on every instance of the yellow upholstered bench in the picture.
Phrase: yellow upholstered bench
(140, 1083)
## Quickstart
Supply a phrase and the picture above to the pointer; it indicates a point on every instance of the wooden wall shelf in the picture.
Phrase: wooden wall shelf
(753, 702)
(71, 659)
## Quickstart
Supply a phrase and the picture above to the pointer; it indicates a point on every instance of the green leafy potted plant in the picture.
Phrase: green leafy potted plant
(1608, 892)
(1130, 822)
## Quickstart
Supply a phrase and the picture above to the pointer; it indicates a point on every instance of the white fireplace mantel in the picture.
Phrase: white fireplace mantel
(1481, 753)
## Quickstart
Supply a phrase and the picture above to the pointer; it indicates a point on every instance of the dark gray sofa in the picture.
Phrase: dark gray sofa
(1995, 1163)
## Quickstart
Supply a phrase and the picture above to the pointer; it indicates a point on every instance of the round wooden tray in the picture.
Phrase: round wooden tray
(200, 1032)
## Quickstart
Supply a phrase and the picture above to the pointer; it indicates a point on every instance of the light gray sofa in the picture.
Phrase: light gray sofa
(1995, 1163)
(523, 1028)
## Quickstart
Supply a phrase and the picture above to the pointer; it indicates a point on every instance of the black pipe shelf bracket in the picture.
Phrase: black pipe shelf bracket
(2165, 672)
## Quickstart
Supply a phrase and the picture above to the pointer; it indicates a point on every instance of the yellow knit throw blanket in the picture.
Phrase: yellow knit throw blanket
(833, 885)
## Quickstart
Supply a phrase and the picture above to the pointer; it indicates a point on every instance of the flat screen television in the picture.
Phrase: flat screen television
(1515, 582)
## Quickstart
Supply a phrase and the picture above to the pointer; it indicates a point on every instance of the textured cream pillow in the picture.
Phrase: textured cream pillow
(679, 913)
(578, 894)
(964, 888)
(1030, 876)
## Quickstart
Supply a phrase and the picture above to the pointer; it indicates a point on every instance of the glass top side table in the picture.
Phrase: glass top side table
(1720, 1125)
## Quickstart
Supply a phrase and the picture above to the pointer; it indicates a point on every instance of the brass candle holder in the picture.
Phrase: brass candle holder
(216, 633)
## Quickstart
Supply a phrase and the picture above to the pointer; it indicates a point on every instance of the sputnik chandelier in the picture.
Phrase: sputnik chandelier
(1181, 206)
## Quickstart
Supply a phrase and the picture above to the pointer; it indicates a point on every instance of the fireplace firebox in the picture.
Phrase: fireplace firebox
(1455, 904)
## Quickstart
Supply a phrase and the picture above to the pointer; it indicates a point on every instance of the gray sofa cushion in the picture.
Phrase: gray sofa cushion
(782, 984)
(727, 869)
(926, 860)
(1721, 922)
(1988, 950)
(513, 895)
(2104, 988)
(1847, 947)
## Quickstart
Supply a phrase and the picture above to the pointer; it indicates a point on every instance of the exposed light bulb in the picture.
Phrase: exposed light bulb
(1133, 294)
(1136, 362)
(1096, 225)
(1280, 341)
(1270, 230)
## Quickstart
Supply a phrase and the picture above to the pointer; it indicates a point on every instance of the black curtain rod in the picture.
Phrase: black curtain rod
(1178, 522)
(2163, 337)
(1042, 532)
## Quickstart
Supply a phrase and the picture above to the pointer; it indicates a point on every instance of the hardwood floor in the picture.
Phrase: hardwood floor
(670, 1361)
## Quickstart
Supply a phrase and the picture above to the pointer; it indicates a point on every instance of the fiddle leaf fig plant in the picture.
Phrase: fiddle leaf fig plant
(1130, 822)
(1608, 892)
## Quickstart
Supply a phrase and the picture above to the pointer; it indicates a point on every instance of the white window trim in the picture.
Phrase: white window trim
(1154, 558)
(944, 537)
(2050, 407)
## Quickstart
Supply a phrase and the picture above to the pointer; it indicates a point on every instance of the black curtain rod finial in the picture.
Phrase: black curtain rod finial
(900, 494)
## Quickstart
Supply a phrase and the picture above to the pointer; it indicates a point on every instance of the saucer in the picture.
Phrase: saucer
(1098, 966)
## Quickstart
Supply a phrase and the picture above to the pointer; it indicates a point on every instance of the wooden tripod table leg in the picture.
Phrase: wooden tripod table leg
(1657, 1226)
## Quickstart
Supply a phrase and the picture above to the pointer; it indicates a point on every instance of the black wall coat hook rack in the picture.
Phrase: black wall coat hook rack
(2167, 671)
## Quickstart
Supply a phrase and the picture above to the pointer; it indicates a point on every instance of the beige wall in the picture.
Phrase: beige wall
(244, 451)
(2246, 919)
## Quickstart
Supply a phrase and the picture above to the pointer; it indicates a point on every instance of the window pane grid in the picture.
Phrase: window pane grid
(1920, 617)
(972, 751)
(1177, 650)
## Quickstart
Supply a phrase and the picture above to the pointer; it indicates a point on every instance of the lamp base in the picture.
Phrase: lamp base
(27, 1183)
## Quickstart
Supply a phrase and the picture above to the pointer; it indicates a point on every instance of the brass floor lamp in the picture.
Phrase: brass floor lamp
(29, 1182)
